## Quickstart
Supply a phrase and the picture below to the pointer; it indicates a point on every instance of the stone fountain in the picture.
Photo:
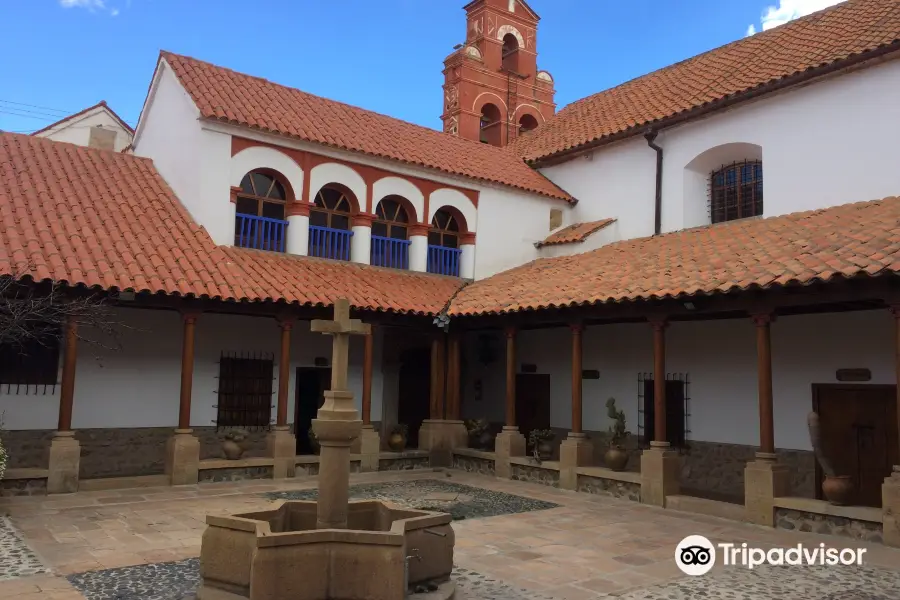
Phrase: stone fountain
(331, 549)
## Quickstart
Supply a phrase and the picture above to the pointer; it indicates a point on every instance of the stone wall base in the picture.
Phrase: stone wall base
(660, 473)
(575, 451)
(440, 437)
(890, 506)
(282, 447)
(65, 456)
(369, 448)
(508, 443)
(764, 480)
(183, 458)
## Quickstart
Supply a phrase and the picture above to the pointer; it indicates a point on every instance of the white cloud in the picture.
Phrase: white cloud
(114, 12)
(788, 10)
(88, 4)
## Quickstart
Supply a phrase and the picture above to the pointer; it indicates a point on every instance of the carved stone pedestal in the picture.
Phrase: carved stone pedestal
(764, 480)
(660, 474)
(183, 457)
(440, 437)
(65, 461)
(281, 445)
(890, 502)
(508, 443)
(369, 448)
(574, 451)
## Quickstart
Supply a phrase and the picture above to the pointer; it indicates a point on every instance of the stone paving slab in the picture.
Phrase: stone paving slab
(17, 559)
(460, 500)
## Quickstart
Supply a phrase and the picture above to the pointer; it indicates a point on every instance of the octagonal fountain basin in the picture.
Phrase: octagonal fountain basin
(278, 554)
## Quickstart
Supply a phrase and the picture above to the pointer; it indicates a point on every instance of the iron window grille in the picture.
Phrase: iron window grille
(31, 366)
(678, 409)
(245, 390)
(736, 191)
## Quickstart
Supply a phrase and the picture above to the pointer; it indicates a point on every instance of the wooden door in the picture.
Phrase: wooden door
(414, 392)
(859, 435)
(309, 395)
(532, 402)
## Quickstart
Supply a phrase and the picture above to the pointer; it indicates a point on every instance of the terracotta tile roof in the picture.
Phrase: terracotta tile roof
(574, 233)
(108, 220)
(225, 95)
(800, 248)
(86, 110)
(847, 30)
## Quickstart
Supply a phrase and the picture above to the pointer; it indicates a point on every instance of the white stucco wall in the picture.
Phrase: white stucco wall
(720, 359)
(509, 224)
(138, 386)
(825, 144)
(78, 129)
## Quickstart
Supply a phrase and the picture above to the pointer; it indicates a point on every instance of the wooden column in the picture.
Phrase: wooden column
(67, 387)
(659, 380)
(437, 377)
(510, 376)
(453, 377)
(764, 382)
(895, 309)
(284, 373)
(369, 346)
(187, 370)
(577, 331)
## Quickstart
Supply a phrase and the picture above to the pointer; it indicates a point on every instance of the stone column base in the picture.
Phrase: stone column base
(509, 442)
(574, 451)
(65, 462)
(440, 437)
(183, 457)
(660, 474)
(764, 480)
(281, 445)
(369, 448)
(890, 502)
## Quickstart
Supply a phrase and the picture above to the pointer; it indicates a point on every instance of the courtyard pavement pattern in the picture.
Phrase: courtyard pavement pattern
(514, 541)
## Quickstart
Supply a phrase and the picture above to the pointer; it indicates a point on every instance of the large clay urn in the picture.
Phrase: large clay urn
(616, 458)
(838, 489)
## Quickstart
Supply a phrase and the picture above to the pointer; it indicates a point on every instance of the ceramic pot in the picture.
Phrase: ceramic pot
(838, 489)
(232, 449)
(615, 458)
(396, 442)
(545, 450)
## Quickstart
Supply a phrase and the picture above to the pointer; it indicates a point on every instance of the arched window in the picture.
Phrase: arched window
(260, 221)
(736, 191)
(391, 220)
(390, 234)
(330, 228)
(444, 230)
(333, 209)
(443, 244)
(527, 123)
(491, 125)
(510, 53)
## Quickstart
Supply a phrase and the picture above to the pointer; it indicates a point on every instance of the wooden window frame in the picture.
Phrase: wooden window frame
(382, 218)
(246, 391)
(442, 232)
(262, 200)
(331, 212)
(721, 193)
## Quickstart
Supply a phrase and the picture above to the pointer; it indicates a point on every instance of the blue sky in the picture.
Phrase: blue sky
(386, 55)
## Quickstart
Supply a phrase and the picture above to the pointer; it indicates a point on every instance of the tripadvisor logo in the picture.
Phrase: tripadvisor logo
(696, 555)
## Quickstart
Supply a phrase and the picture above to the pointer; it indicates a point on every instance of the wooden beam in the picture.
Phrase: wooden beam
(437, 377)
(368, 357)
(284, 372)
(895, 310)
(659, 379)
(453, 377)
(577, 335)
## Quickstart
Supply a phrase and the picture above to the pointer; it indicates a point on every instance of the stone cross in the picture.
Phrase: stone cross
(342, 327)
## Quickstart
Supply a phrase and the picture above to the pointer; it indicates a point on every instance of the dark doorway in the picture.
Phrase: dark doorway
(532, 402)
(675, 425)
(309, 396)
(414, 393)
(859, 435)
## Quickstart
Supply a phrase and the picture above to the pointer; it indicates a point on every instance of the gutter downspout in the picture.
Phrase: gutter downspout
(650, 136)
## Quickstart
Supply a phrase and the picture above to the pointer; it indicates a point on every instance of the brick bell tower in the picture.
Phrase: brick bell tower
(493, 89)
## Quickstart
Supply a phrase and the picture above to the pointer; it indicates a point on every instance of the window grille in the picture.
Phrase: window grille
(245, 390)
(736, 191)
(678, 409)
(31, 366)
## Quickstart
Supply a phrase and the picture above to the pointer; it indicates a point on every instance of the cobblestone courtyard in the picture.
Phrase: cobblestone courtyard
(514, 541)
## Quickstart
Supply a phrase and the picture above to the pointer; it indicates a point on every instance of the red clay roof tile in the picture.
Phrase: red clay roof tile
(799, 248)
(106, 219)
(225, 95)
(823, 38)
(577, 232)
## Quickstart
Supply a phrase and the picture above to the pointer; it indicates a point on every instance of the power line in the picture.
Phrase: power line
(64, 112)
(44, 118)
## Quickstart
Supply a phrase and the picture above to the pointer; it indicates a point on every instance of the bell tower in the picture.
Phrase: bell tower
(493, 90)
